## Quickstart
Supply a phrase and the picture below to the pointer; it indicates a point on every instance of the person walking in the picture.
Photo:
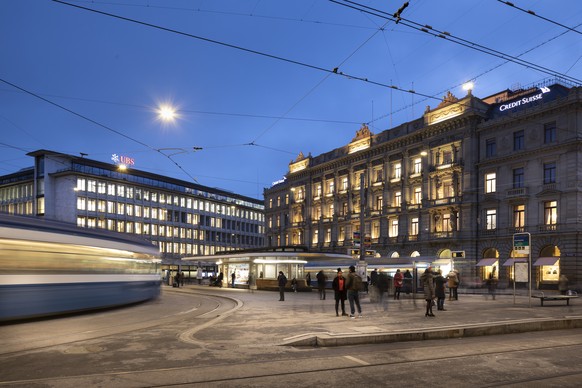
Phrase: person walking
(398, 283)
(427, 279)
(233, 278)
(354, 286)
(492, 284)
(453, 279)
(382, 286)
(407, 282)
(439, 290)
(563, 284)
(308, 279)
(321, 278)
(199, 275)
(340, 293)
(282, 281)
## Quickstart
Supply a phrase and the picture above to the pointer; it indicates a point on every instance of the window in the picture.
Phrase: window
(447, 157)
(417, 166)
(270, 203)
(81, 203)
(490, 148)
(550, 212)
(490, 182)
(342, 233)
(81, 184)
(448, 190)
(379, 202)
(491, 219)
(518, 178)
(519, 216)
(375, 229)
(549, 173)
(378, 173)
(518, 140)
(344, 183)
(315, 237)
(279, 201)
(397, 199)
(393, 232)
(101, 188)
(414, 226)
(318, 190)
(417, 195)
(397, 169)
(550, 132)
(330, 186)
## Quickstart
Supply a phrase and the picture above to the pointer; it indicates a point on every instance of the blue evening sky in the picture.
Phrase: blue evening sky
(76, 81)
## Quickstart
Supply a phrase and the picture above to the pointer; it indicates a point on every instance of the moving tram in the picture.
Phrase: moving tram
(49, 268)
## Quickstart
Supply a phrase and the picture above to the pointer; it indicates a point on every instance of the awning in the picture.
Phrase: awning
(546, 261)
(486, 262)
(442, 262)
(514, 260)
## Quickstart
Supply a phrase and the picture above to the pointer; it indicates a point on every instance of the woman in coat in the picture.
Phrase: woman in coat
(439, 289)
(429, 291)
(340, 292)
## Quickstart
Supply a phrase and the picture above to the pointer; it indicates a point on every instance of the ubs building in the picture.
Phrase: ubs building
(181, 218)
(457, 186)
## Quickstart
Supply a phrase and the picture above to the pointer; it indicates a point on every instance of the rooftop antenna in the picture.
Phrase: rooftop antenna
(83, 154)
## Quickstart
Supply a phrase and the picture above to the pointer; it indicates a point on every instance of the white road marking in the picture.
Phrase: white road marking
(354, 359)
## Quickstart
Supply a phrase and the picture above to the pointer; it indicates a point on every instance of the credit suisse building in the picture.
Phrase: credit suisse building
(182, 218)
(459, 185)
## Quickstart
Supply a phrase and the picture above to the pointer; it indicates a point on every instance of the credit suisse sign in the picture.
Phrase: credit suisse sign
(538, 96)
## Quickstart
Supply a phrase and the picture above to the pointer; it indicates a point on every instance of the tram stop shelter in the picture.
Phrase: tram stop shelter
(259, 269)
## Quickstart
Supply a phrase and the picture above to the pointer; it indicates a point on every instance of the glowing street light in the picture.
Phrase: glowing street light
(468, 86)
(167, 113)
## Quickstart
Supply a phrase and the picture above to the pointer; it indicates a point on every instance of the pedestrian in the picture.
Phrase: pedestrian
(354, 285)
(398, 282)
(563, 284)
(429, 292)
(439, 290)
(177, 280)
(251, 282)
(282, 281)
(321, 279)
(453, 279)
(407, 282)
(374, 277)
(294, 284)
(308, 279)
(492, 284)
(182, 277)
(199, 275)
(233, 277)
(220, 279)
(340, 293)
(382, 286)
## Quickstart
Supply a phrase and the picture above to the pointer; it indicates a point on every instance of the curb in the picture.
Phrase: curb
(460, 331)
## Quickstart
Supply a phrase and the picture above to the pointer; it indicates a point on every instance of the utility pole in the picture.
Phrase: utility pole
(362, 218)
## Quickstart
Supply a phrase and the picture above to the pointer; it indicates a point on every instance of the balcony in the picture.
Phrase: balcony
(519, 192)
(441, 235)
(444, 201)
(548, 228)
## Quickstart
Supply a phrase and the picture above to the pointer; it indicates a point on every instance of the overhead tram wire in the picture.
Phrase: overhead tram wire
(453, 39)
(98, 124)
(529, 12)
(334, 71)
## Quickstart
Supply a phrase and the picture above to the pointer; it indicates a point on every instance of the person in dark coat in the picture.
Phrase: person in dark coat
(407, 282)
(340, 293)
(427, 279)
(321, 278)
(282, 281)
(383, 285)
(439, 289)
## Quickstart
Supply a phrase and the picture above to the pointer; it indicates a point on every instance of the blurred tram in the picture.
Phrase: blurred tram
(49, 268)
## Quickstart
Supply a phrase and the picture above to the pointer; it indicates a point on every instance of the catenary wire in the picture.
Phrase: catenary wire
(529, 12)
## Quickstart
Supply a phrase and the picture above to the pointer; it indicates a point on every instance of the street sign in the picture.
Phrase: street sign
(521, 243)
(458, 254)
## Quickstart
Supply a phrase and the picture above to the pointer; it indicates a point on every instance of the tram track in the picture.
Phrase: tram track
(357, 363)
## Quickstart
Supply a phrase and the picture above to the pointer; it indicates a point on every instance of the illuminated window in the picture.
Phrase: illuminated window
(393, 232)
(550, 212)
(342, 233)
(491, 219)
(328, 235)
(101, 188)
(397, 199)
(92, 205)
(418, 195)
(375, 229)
(317, 190)
(120, 192)
(344, 183)
(81, 203)
(414, 226)
(81, 184)
(396, 171)
(490, 182)
(417, 166)
(519, 216)
(379, 202)
(315, 237)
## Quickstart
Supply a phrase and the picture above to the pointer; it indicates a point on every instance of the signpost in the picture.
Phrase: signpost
(522, 245)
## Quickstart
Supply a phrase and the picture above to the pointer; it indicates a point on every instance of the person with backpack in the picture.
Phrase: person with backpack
(354, 285)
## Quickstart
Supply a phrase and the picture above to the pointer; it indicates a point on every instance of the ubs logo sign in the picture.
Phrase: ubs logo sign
(125, 160)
